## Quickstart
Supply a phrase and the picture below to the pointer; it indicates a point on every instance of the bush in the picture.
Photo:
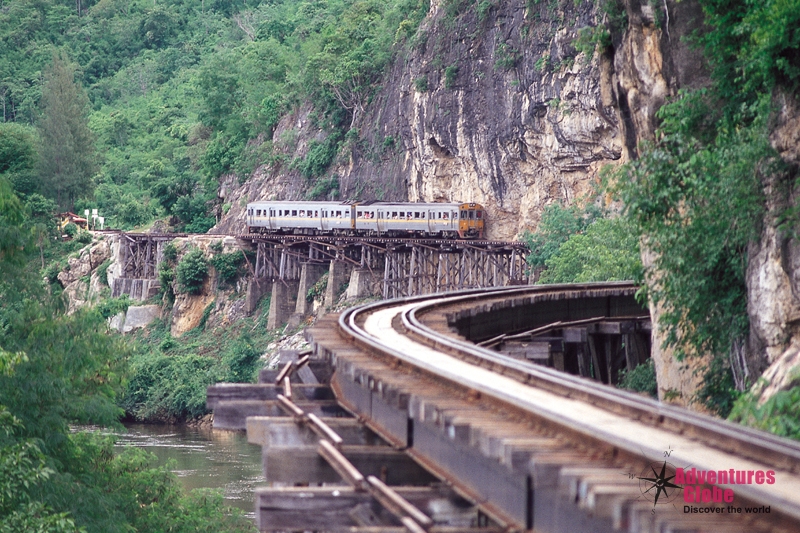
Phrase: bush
(450, 74)
(421, 84)
(319, 157)
(102, 272)
(70, 230)
(166, 276)
(84, 237)
(165, 387)
(243, 360)
(779, 415)
(640, 379)
(110, 307)
(506, 56)
(192, 272)
(52, 271)
(590, 38)
(170, 251)
(227, 265)
(317, 290)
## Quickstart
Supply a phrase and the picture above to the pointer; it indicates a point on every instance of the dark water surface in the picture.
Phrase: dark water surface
(204, 458)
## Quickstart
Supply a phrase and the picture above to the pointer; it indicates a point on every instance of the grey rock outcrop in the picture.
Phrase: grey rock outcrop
(80, 281)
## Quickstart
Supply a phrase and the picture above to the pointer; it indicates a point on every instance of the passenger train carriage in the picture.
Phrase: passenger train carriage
(465, 221)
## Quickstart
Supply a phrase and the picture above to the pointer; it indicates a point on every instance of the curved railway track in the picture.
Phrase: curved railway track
(540, 449)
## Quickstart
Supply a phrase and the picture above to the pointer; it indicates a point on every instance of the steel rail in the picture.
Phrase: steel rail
(723, 436)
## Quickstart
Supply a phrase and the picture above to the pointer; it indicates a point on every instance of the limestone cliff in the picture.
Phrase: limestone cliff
(508, 106)
(512, 107)
(500, 109)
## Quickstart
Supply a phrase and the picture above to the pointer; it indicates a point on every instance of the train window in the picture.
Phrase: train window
(394, 214)
(443, 215)
(360, 214)
(416, 214)
(478, 214)
(316, 213)
(294, 212)
(258, 213)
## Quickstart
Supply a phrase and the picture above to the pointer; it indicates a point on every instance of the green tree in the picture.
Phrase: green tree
(606, 251)
(56, 370)
(18, 156)
(558, 223)
(67, 160)
(192, 271)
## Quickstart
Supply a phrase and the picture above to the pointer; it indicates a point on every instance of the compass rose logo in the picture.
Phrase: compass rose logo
(656, 485)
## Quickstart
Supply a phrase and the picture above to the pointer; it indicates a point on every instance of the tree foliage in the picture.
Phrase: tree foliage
(57, 370)
(558, 223)
(608, 250)
(183, 92)
(67, 155)
(18, 156)
(697, 193)
(192, 271)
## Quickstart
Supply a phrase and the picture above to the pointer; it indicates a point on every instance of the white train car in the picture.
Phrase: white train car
(398, 219)
(299, 217)
(408, 219)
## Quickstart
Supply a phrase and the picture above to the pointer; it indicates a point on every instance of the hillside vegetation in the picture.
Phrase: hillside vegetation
(178, 93)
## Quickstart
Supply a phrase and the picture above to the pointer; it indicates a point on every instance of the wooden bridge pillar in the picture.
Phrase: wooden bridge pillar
(255, 290)
(361, 282)
(282, 302)
(337, 276)
(310, 273)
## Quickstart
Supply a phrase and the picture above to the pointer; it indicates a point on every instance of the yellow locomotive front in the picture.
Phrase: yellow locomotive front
(471, 220)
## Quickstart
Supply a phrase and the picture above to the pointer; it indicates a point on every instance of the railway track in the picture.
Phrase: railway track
(446, 433)
(541, 450)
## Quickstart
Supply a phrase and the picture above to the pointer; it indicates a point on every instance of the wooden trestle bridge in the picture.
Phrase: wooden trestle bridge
(288, 265)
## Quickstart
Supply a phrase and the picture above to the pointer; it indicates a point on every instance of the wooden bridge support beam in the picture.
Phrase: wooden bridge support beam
(337, 276)
(310, 274)
(282, 302)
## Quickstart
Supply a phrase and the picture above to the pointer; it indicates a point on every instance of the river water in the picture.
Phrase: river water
(204, 458)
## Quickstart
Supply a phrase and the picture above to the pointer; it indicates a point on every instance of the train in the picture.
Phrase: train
(378, 219)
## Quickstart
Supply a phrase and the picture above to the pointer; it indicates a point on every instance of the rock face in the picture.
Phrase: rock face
(511, 108)
(773, 268)
(136, 317)
(80, 281)
(502, 110)
(512, 116)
